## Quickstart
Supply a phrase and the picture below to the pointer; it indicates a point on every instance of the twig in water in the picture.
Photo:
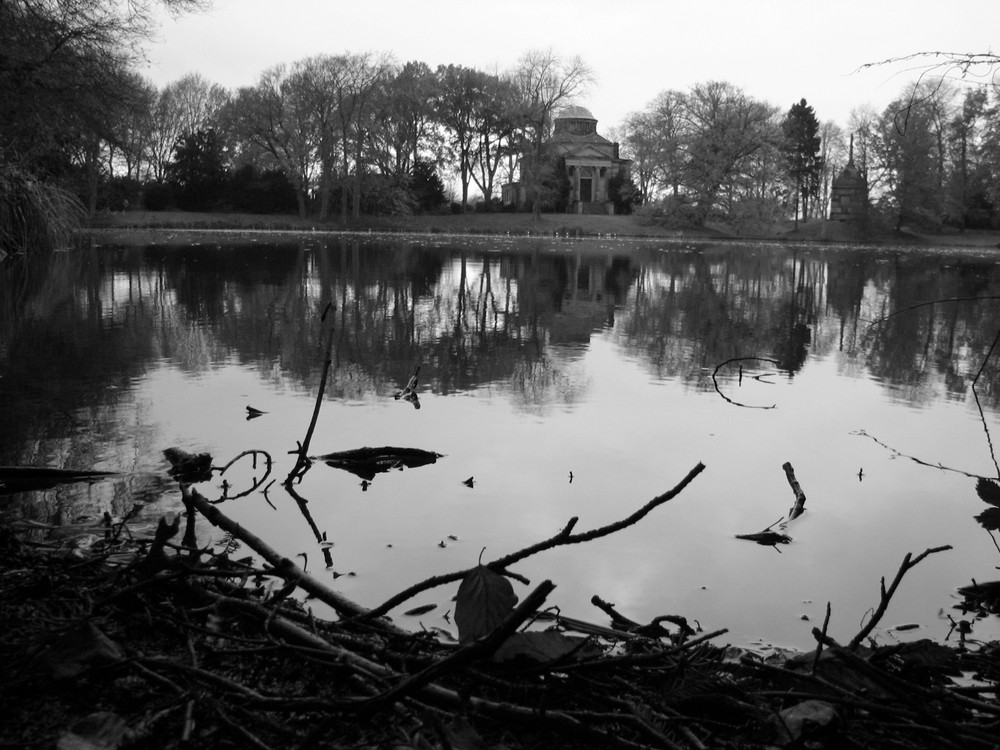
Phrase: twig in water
(302, 461)
(887, 594)
(715, 381)
(916, 460)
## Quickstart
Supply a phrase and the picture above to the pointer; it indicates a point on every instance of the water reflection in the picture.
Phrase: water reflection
(110, 355)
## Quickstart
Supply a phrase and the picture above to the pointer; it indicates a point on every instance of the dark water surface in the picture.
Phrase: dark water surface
(623, 364)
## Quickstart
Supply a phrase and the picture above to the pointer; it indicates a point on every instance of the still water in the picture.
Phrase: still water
(566, 378)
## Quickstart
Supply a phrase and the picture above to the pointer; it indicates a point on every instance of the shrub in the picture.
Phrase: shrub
(158, 196)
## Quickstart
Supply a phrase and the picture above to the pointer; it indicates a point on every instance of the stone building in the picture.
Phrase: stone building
(591, 162)
(849, 193)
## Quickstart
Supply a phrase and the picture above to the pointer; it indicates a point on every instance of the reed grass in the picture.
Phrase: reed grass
(36, 216)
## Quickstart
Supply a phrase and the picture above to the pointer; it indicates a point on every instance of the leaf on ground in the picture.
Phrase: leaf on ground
(484, 600)
(539, 646)
(988, 491)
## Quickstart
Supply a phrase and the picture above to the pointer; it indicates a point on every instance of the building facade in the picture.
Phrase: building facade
(591, 160)
(849, 193)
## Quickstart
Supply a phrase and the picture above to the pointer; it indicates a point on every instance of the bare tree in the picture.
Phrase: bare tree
(187, 105)
(981, 68)
(316, 81)
(356, 91)
(276, 117)
(723, 128)
(545, 83)
(833, 150)
(404, 131)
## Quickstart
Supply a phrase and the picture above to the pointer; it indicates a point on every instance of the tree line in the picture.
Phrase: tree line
(359, 133)
(931, 158)
(346, 133)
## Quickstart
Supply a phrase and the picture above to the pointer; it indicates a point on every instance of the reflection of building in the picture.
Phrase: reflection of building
(849, 193)
(592, 161)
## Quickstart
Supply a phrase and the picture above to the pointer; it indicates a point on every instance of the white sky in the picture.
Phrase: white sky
(776, 50)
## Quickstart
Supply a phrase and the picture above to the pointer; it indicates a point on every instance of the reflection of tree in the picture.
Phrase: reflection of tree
(471, 313)
(697, 308)
(65, 376)
(912, 343)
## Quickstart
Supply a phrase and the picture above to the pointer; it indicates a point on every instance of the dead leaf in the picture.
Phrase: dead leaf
(421, 610)
(484, 600)
(804, 717)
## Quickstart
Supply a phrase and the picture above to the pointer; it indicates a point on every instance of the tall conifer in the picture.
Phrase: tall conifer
(801, 149)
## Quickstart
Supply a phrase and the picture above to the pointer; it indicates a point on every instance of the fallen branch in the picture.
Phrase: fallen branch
(282, 565)
(564, 537)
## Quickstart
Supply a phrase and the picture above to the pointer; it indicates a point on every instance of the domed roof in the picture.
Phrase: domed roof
(575, 113)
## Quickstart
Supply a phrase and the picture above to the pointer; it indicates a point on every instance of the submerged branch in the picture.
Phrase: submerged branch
(916, 460)
(718, 390)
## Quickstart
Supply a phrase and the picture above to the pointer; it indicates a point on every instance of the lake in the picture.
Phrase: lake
(565, 378)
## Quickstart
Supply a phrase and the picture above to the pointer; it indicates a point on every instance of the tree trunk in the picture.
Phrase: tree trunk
(92, 180)
(358, 176)
(343, 190)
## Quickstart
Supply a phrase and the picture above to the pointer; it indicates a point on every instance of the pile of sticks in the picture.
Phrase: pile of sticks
(181, 647)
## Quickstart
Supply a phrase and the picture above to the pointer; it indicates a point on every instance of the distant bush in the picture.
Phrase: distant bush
(255, 191)
(672, 212)
(158, 196)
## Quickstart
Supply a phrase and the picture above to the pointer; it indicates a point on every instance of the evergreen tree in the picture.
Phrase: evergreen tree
(426, 187)
(801, 149)
(198, 171)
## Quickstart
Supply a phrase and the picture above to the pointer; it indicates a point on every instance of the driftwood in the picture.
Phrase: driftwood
(280, 564)
(770, 538)
(800, 496)
(367, 462)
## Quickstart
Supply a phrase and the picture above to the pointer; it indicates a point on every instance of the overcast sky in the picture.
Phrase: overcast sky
(779, 51)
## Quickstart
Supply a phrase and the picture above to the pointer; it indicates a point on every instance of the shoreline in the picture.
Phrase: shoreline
(145, 227)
